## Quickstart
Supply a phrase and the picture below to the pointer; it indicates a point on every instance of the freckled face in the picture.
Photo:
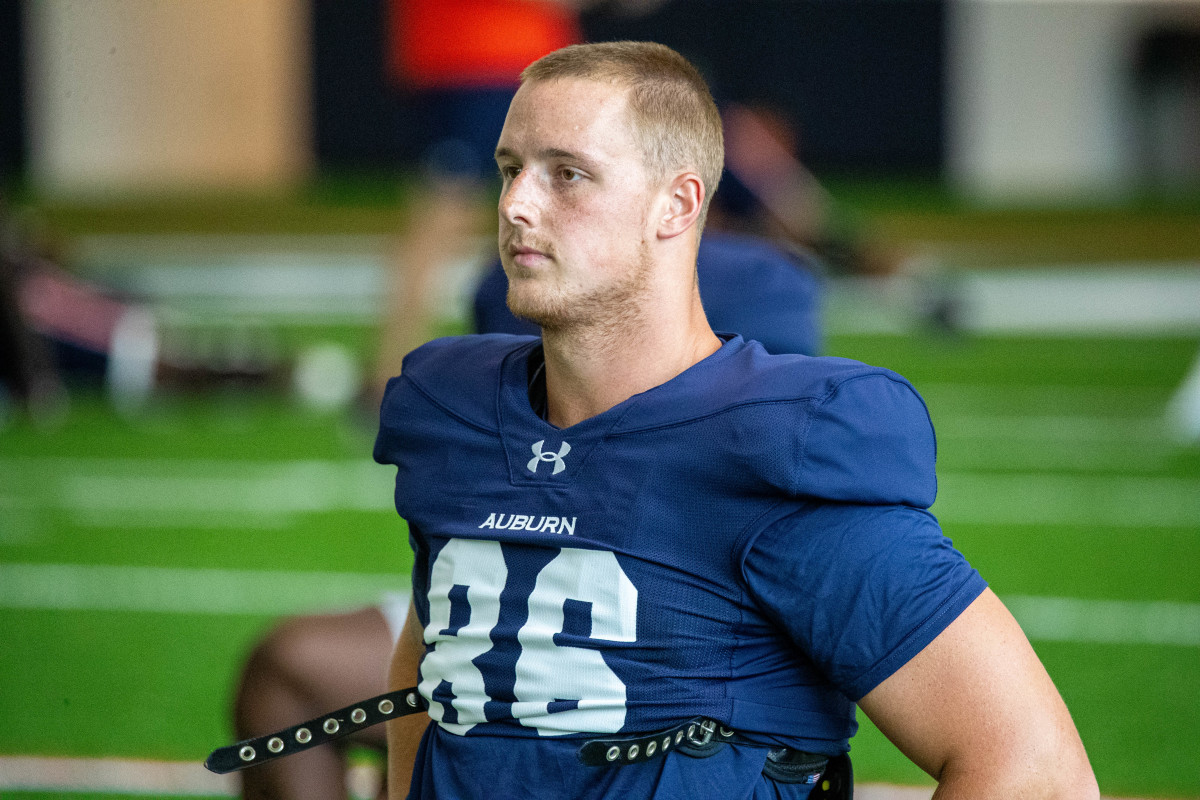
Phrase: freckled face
(575, 204)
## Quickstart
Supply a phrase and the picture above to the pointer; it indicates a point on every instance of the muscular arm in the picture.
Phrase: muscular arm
(404, 733)
(977, 711)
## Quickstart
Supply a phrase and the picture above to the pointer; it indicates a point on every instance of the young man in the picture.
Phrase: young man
(631, 522)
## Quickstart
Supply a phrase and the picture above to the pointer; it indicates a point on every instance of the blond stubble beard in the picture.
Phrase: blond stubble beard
(610, 308)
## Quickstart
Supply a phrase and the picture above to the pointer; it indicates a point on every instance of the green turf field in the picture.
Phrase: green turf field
(139, 558)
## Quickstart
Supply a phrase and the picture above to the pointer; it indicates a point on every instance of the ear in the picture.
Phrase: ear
(684, 198)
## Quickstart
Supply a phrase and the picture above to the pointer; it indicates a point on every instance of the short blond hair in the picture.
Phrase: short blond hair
(676, 121)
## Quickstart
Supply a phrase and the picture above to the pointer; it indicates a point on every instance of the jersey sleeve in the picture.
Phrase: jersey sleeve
(869, 439)
(859, 589)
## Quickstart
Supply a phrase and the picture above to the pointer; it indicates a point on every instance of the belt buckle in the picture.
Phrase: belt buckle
(706, 727)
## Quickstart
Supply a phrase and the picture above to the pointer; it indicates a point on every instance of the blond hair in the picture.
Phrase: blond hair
(675, 119)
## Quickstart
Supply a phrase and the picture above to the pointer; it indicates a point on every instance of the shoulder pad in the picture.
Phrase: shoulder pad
(822, 427)
(869, 439)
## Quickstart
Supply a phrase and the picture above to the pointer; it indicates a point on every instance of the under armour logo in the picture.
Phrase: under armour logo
(539, 456)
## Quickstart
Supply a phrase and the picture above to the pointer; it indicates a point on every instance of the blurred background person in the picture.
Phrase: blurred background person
(460, 61)
(58, 332)
(1183, 409)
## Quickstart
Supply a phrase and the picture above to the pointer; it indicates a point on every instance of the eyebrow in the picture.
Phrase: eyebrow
(549, 152)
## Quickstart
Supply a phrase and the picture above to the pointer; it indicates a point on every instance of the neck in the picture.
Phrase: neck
(591, 369)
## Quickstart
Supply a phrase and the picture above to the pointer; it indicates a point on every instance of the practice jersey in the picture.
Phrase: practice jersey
(748, 541)
(748, 285)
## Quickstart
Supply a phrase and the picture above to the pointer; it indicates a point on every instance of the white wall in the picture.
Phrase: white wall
(1041, 101)
(167, 95)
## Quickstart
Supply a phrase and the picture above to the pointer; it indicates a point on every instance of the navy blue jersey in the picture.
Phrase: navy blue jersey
(748, 541)
(748, 285)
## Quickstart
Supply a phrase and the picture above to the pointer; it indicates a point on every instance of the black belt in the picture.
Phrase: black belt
(700, 736)
(316, 732)
(831, 776)
(695, 734)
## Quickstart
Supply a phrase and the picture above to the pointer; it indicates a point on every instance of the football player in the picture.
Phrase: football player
(651, 561)
(310, 664)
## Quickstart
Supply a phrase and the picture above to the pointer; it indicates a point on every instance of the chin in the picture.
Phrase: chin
(539, 310)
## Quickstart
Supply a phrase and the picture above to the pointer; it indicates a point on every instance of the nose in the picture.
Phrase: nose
(518, 201)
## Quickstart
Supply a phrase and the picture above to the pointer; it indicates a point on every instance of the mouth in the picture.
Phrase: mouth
(528, 257)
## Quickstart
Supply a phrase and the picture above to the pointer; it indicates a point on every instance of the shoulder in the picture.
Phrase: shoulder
(472, 351)
(461, 374)
(745, 373)
(868, 438)
(826, 427)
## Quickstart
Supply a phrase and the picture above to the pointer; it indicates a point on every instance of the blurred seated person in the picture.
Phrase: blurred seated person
(59, 331)
(766, 190)
(308, 665)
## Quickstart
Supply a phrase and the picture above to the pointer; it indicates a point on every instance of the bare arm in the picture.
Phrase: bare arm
(404, 733)
(978, 712)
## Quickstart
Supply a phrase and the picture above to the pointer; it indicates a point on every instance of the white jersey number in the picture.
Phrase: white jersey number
(562, 686)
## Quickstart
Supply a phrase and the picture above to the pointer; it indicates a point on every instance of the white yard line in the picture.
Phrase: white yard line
(1059, 428)
(230, 486)
(1025, 455)
(77, 587)
(1106, 298)
(141, 777)
(1070, 619)
(1054, 443)
(1055, 499)
(124, 776)
(969, 397)
(343, 276)
(301, 279)
(1129, 298)
(192, 493)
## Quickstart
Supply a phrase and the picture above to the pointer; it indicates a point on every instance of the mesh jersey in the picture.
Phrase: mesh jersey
(748, 541)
